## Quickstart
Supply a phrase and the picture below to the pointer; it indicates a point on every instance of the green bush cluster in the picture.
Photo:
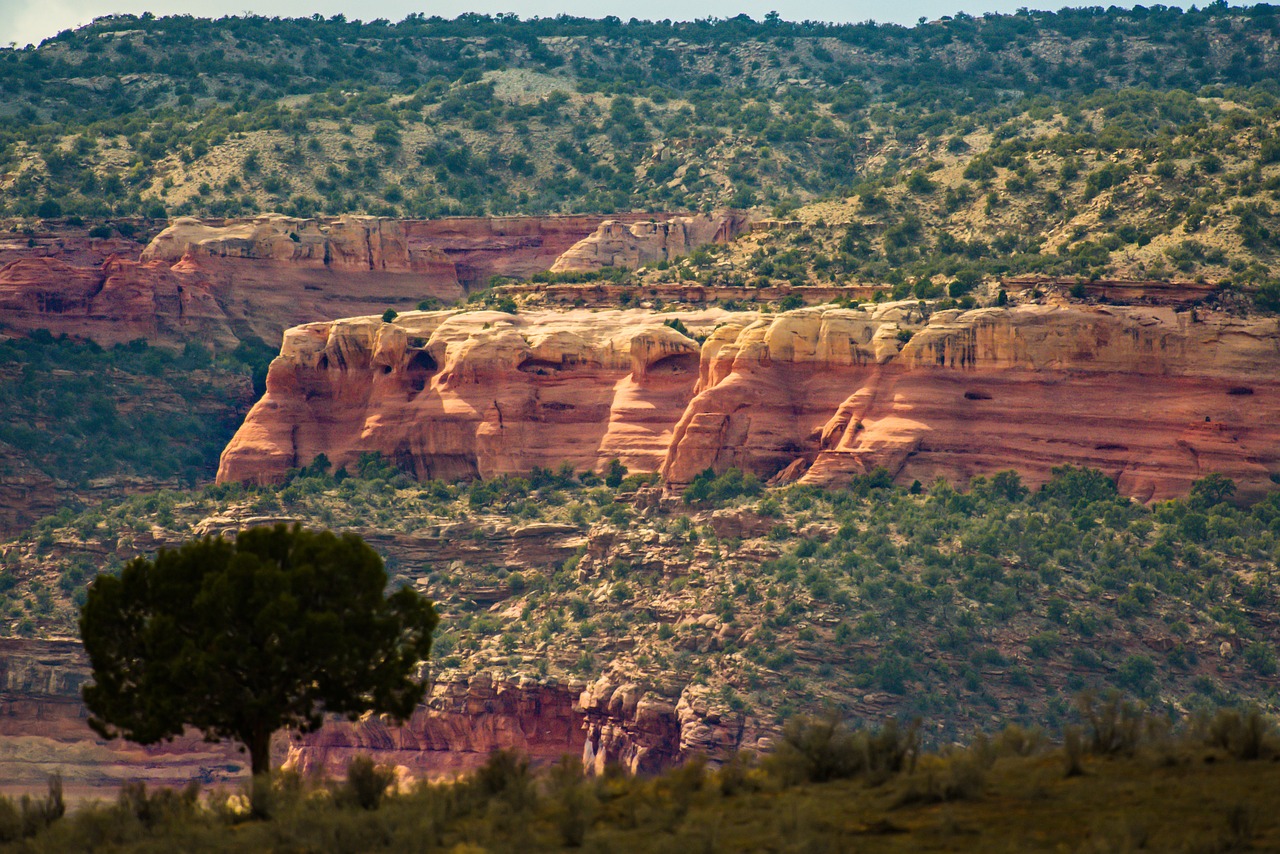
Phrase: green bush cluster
(78, 411)
(824, 782)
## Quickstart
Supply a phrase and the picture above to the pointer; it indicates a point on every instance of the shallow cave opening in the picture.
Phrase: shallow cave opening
(419, 369)
(677, 364)
(540, 366)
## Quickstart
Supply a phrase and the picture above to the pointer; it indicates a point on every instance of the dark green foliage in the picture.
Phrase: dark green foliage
(1076, 487)
(676, 324)
(1245, 734)
(30, 815)
(1212, 489)
(976, 601)
(707, 486)
(131, 409)
(240, 639)
(1115, 725)
(366, 783)
(614, 472)
(1267, 297)
(210, 81)
(823, 749)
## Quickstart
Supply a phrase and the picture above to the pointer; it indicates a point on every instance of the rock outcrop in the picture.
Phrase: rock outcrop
(509, 246)
(466, 394)
(617, 243)
(462, 721)
(1154, 397)
(119, 301)
(352, 243)
(225, 281)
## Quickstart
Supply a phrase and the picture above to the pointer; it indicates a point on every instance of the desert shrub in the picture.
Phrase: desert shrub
(31, 815)
(957, 775)
(1246, 734)
(821, 749)
(1073, 747)
(158, 807)
(735, 775)
(1261, 658)
(506, 776)
(1015, 740)
(709, 487)
(572, 800)
(1115, 726)
(366, 783)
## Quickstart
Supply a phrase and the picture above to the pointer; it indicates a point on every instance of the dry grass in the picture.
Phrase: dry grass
(1007, 793)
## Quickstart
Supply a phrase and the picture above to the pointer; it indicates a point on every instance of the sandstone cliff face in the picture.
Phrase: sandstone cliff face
(222, 282)
(461, 723)
(465, 394)
(1155, 398)
(116, 302)
(463, 720)
(513, 246)
(355, 243)
(617, 243)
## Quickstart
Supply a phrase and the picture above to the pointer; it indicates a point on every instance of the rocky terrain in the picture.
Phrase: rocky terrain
(915, 372)
(226, 282)
(42, 724)
(1154, 397)
(215, 291)
(626, 627)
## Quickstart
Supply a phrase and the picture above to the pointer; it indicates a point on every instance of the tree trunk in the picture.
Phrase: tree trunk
(259, 744)
(260, 801)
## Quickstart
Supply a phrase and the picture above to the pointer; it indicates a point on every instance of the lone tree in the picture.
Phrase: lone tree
(239, 639)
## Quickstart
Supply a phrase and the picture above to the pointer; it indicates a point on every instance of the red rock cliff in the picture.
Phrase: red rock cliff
(630, 244)
(462, 721)
(465, 394)
(1155, 398)
(223, 281)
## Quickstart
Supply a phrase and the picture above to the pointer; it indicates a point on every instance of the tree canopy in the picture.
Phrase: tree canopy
(241, 638)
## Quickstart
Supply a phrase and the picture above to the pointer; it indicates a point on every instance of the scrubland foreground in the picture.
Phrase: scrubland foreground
(1125, 780)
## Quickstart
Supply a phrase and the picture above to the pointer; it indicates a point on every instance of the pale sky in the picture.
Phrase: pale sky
(30, 21)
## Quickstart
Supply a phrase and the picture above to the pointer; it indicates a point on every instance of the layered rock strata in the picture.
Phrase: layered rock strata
(511, 246)
(226, 281)
(617, 243)
(1154, 397)
(466, 394)
(43, 730)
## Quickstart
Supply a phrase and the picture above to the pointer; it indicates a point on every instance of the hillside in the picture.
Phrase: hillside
(921, 372)
(736, 608)
(1018, 142)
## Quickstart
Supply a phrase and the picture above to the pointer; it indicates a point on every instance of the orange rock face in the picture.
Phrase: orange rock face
(515, 246)
(619, 243)
(1155, 398)
(221, 282)
(467, 394)
(462, 721)
(1152, 397)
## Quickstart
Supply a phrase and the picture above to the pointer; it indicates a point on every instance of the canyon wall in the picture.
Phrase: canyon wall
(466, 394)
(222, 282)
(43, 730)
(1153, 397)
(619, 243)
(511, 246)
